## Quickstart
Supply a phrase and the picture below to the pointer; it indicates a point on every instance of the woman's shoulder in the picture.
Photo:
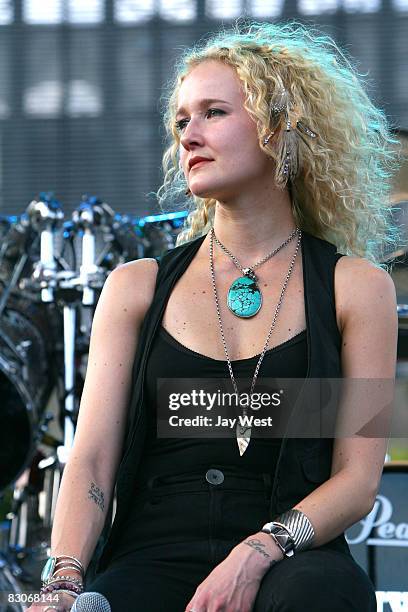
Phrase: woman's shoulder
(362, 287)
(132, 285)
(361, 270)
(137, 270)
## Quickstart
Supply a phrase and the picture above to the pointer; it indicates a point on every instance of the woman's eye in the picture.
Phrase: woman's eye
(211, 112)
(180, 125)
(215, 111)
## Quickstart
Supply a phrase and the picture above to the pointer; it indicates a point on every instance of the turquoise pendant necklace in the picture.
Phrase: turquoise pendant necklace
(244, 297)
(243, 433)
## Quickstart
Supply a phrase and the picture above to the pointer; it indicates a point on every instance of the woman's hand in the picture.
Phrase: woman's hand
(233, 585)
(64, 604)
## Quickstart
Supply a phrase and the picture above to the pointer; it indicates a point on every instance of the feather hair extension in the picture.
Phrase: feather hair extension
(306, 130)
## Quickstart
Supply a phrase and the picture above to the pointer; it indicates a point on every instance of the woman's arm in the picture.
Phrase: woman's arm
(88, 479)
(367, 310)
(366, 304)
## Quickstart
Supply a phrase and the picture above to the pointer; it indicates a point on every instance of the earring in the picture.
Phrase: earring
(267, 139)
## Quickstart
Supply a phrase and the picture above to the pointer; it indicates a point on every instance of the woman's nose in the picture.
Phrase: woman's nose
(191, 136)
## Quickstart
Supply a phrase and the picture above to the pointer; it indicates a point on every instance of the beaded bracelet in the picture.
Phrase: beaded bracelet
(67, 591)
(74, 595)
(55, 586)
(56, 578)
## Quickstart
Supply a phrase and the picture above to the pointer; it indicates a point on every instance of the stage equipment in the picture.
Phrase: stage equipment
(379, 542)
(51, 273)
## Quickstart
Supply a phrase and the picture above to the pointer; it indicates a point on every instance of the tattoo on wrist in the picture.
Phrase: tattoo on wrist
(260, 547)
(96, 494)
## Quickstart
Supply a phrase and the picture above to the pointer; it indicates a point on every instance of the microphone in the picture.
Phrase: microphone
(91, 602)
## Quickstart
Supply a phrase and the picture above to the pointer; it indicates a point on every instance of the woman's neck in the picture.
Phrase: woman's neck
(256, 228)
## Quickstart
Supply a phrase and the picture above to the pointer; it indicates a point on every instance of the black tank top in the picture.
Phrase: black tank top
(167, 359)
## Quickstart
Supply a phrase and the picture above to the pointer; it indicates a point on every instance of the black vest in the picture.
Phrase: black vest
(303, 463)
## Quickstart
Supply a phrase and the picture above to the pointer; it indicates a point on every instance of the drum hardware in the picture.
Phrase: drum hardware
(27, 377)
(160, 231)
(18, 517)
(42, 435)
(86, 217)
(18, 246)
(52, 468)
(19, 239)
(396, 258)
(8, 584)
(13, 281)
(402, 310)
(30, 327)
(399, 216)
(46, 217)
(30, 519)
(9, 366)
(89, 215)
(31, 506)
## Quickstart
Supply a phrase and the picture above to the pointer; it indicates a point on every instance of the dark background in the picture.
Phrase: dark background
(80, 84)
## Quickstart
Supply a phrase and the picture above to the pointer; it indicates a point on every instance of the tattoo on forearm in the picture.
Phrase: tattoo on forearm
(96, 494)
(260, 547)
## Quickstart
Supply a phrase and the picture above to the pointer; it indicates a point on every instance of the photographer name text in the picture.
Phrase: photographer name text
(205, 421)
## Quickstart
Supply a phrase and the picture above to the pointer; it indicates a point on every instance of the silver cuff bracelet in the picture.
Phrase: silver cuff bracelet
(281, 538)
(298, 527)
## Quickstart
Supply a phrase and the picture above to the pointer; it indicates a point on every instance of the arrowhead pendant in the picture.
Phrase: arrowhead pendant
(243, 438)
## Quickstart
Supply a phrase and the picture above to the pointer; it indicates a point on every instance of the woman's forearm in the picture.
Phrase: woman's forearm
(337, 504)
(81, 509)
(332, 508)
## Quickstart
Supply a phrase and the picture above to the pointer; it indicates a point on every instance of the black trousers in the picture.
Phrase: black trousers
(181, 527)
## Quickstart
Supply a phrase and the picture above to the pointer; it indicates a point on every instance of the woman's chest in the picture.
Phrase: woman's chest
(193, 312)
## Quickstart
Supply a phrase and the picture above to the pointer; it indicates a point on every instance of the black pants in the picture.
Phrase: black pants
(181, 527)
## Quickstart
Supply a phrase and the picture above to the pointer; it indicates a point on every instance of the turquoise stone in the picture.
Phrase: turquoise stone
(48, 569)
(244, 298)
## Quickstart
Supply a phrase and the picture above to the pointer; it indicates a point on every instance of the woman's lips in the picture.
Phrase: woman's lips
(200, 163)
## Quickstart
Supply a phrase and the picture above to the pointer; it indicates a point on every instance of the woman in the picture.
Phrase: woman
(286, 161)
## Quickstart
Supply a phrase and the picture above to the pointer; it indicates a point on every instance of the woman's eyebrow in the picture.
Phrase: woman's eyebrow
(202, 103)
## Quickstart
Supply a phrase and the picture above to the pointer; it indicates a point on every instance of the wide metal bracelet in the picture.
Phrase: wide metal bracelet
(288, 552)
(298, 527)
(281, 537)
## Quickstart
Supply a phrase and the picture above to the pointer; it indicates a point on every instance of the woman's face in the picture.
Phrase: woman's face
(213, 124)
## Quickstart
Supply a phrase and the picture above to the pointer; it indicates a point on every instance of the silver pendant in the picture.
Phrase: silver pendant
(243, 438)
(243, 433)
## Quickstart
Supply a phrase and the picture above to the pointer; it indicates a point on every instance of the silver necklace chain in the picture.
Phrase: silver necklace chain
(245, 271)
(285, 283)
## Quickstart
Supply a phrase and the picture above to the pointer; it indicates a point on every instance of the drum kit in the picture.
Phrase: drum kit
(52, 270)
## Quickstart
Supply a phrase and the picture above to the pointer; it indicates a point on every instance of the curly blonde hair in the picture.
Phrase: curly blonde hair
(342, 188)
